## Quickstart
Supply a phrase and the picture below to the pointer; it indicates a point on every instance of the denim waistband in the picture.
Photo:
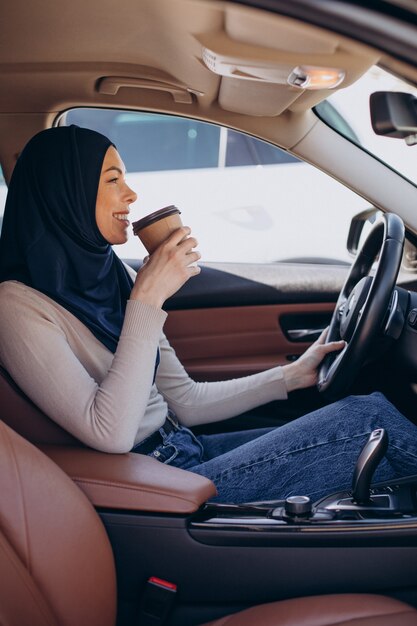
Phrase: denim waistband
(150, 443)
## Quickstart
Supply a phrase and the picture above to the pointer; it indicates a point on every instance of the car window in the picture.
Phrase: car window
(244, 199)
(348, 108)
(172, 143)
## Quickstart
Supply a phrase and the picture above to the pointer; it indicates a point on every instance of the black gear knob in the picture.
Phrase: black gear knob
(369, 459)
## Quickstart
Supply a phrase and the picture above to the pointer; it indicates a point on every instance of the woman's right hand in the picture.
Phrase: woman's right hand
(167, 269)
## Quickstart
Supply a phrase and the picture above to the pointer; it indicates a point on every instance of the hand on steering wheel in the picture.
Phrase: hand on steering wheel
(304, 371)
(363, 304)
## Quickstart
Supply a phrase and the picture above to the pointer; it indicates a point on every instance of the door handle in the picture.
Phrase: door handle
(304, 334)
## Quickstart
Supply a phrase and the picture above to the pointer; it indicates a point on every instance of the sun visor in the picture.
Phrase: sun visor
(268, 63)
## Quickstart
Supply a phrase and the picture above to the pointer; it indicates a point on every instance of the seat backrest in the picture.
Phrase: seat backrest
(18, 412)
(56, 563)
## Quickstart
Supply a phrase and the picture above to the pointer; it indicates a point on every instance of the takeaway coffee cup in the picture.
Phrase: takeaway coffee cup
(155, 228)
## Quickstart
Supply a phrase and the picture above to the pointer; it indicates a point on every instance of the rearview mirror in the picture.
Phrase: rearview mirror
(394, 114)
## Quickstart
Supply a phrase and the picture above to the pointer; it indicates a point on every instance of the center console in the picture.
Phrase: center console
(356, 511)
(389, 516)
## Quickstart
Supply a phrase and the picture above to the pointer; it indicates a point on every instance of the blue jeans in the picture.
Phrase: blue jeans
(313, 455)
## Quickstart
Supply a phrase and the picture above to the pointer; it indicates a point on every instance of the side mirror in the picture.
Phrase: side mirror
(394, 114)
(359, 228)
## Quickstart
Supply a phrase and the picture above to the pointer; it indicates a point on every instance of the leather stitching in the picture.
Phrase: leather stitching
(26, 580)
(20, 491)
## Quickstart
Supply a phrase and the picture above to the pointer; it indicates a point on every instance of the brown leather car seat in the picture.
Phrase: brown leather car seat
(57, 569)
(23, 416)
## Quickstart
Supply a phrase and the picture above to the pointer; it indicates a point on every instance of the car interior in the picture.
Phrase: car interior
(95, 538)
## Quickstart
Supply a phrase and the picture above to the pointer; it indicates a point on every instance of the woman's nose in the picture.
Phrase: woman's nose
(131, 195)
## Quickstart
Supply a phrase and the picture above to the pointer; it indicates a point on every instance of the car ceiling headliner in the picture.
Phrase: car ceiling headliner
(57, 55)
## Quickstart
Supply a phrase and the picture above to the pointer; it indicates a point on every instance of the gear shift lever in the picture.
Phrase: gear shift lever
(369, 459)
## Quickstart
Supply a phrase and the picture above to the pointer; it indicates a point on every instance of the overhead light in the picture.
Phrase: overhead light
(310, 77)
(302, 76)
(245, 69)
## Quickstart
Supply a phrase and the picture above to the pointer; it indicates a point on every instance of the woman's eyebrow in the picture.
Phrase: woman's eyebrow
(113, 167)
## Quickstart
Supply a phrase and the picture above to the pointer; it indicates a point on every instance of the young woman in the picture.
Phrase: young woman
(82, 336)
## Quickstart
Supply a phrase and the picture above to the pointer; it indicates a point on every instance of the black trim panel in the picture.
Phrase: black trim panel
(280, 283)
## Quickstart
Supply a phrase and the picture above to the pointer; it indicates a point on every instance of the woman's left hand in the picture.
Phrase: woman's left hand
(303, 372)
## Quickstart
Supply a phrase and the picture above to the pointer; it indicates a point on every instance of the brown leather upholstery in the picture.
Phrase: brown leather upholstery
(21, 600)
(18, 412)
(57, 569)
(124, 481)
(132, 481)
(228, 342)
(53, 535)
(336, 610)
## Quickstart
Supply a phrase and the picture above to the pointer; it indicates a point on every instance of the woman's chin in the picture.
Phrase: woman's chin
(119, 240)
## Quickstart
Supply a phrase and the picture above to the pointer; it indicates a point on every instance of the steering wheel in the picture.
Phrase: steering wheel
(362, 305)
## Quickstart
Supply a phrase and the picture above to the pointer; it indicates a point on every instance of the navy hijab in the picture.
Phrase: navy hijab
(50, 240)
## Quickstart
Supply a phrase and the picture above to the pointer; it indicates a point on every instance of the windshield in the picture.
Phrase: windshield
(352, 105)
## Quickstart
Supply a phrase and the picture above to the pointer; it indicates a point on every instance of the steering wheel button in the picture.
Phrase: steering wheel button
(412, 318)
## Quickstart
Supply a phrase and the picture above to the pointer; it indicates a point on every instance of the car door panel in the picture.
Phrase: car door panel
(228, 342)
(237, 319)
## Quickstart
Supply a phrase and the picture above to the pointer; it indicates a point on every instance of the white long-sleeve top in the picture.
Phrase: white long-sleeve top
(106, 400)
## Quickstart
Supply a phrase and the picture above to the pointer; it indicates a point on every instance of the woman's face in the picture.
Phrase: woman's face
(113, 199)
